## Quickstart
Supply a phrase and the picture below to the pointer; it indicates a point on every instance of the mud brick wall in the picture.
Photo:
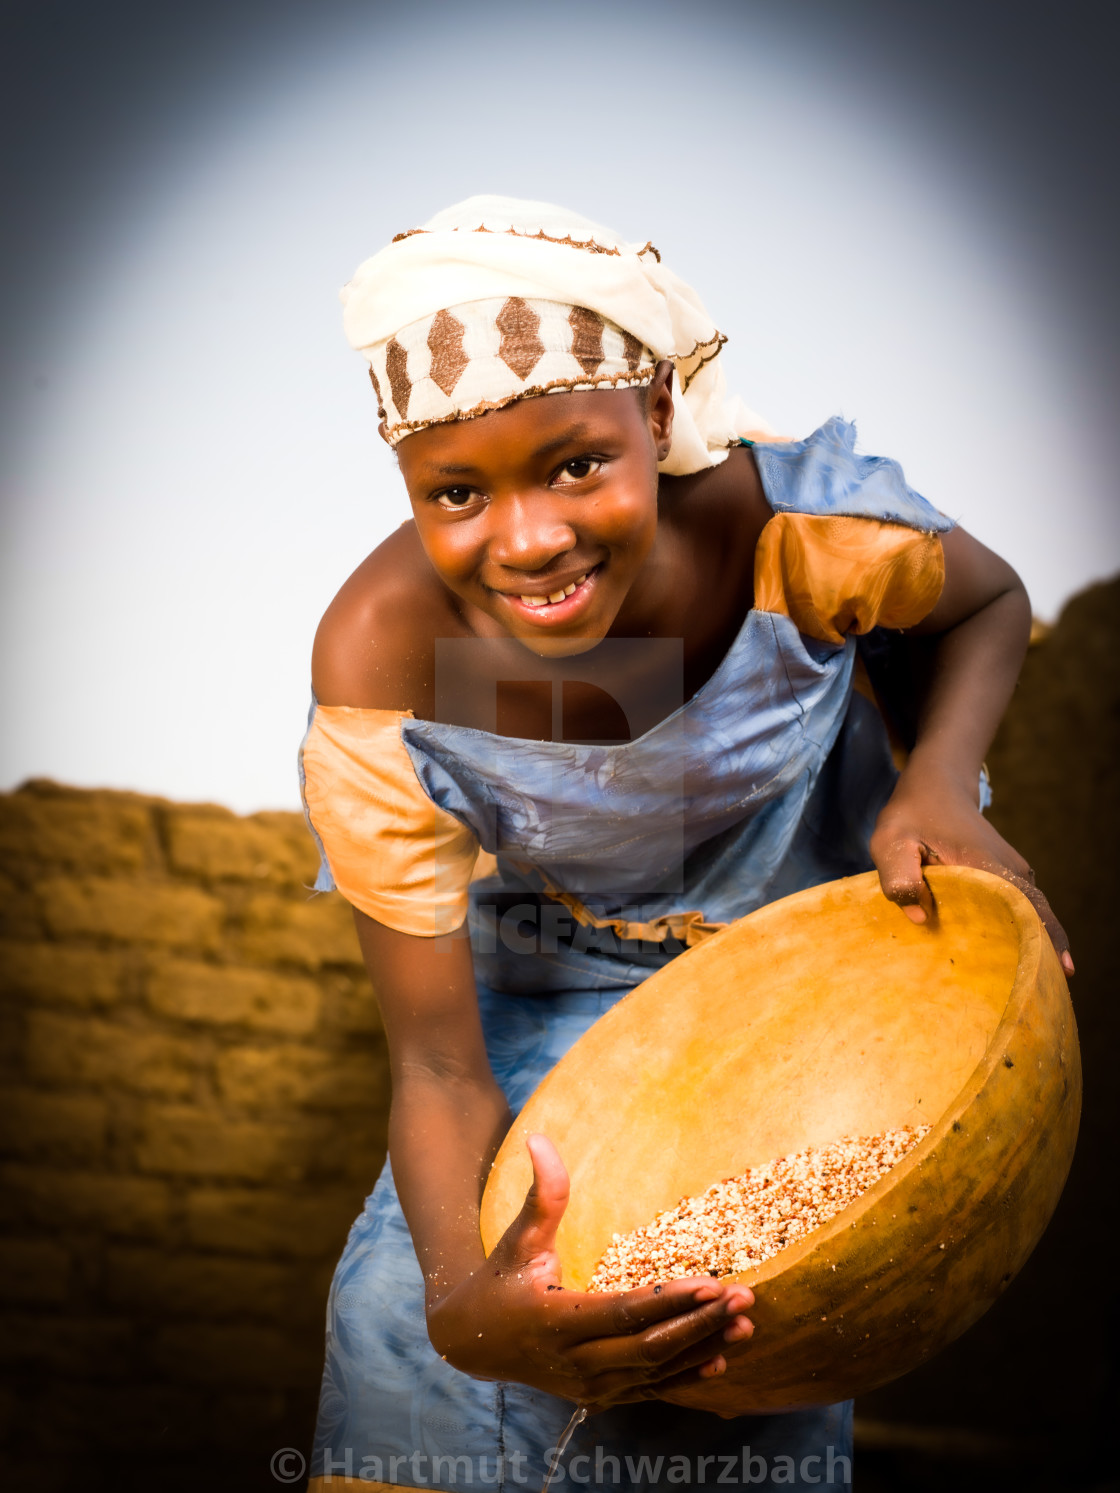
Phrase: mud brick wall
(195, 1093)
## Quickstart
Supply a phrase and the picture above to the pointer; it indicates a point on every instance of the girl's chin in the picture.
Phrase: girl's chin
(551, 646)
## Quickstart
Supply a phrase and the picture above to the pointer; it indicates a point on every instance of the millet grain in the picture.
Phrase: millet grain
(737, 1224)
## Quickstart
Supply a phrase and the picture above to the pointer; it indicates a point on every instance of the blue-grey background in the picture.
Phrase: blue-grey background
(902, 212)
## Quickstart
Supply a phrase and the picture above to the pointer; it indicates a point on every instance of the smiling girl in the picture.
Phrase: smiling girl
(615, 648)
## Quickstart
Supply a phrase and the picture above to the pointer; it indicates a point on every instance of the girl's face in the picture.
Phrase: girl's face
(542, 515)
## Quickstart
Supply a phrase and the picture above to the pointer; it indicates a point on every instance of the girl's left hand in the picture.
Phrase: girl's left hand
(931, 818)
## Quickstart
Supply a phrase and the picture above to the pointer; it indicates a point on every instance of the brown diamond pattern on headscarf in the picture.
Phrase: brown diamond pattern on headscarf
(396, 366)
(587, 338)
(377, 391)
(445, 341)
(521, 349)
(631, 350)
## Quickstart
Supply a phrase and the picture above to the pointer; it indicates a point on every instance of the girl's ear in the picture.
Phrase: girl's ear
(659, 408)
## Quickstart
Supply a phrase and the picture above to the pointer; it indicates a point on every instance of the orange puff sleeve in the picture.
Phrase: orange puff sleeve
(392, 852)
(832, 576)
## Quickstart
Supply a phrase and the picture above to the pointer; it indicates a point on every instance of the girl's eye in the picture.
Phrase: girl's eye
(456, 497)
(577, 470)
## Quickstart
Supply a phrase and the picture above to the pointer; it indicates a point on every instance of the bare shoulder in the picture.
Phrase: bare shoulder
(724, 507)
(374, 647)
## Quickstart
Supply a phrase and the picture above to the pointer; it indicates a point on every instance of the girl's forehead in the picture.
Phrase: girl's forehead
(537, 427)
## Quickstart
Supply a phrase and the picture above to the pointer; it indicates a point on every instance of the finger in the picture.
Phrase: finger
(1006, 861)
(1037, 898)
(533, 1231)
(617, 1390)
(672, 1346)
(548, 1195)
(593, 1315)
(657, 1354)
(667, 1346)
(899, 863)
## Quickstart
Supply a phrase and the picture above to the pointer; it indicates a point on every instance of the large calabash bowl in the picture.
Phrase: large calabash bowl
(825, 1015)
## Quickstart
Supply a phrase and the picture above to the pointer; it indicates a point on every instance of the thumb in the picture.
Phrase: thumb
(899, 863)
(533, 1231)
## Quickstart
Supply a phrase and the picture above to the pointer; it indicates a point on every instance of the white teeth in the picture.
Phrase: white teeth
(554, 596)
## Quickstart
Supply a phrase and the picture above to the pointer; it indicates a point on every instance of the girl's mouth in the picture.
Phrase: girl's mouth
(558, 606)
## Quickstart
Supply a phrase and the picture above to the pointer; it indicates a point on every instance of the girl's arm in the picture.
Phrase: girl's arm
(503, 1317)
(969, 649)
(506, 1317)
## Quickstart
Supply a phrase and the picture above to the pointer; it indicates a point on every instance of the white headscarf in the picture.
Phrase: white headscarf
(488, 302)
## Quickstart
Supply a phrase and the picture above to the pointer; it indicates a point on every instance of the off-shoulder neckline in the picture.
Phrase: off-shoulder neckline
(788, 447)
(424, 724)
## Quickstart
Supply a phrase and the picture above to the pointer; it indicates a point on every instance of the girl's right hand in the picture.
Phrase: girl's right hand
(513, 1320)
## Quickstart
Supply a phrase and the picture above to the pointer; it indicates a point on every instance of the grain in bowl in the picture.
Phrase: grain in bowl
(737, 1224)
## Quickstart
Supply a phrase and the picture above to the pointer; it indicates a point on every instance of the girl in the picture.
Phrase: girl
(615, 649)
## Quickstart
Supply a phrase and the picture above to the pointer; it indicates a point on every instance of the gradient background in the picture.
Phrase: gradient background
(904, 213)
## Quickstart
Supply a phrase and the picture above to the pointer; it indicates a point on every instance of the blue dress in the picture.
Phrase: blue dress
(767, 781)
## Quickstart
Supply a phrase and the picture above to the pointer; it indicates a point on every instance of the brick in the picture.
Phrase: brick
(293, 827)
(228, 995)
(211, 1354)
(360, 1156)
(306, 931)
(214, 844)
(19, 911)
(121, 1207)
(76, 1051)
(291, 1076)
(67, 1127)
(43, 971)
(79, 831)
(309, 1224)
(131, 911)
(203, 1286)
(33, 1270)
(184, 1141)
(349, 1005)
(95, 1347)
(12, 1024)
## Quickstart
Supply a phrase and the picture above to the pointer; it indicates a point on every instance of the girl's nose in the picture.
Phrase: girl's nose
(528, 533)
